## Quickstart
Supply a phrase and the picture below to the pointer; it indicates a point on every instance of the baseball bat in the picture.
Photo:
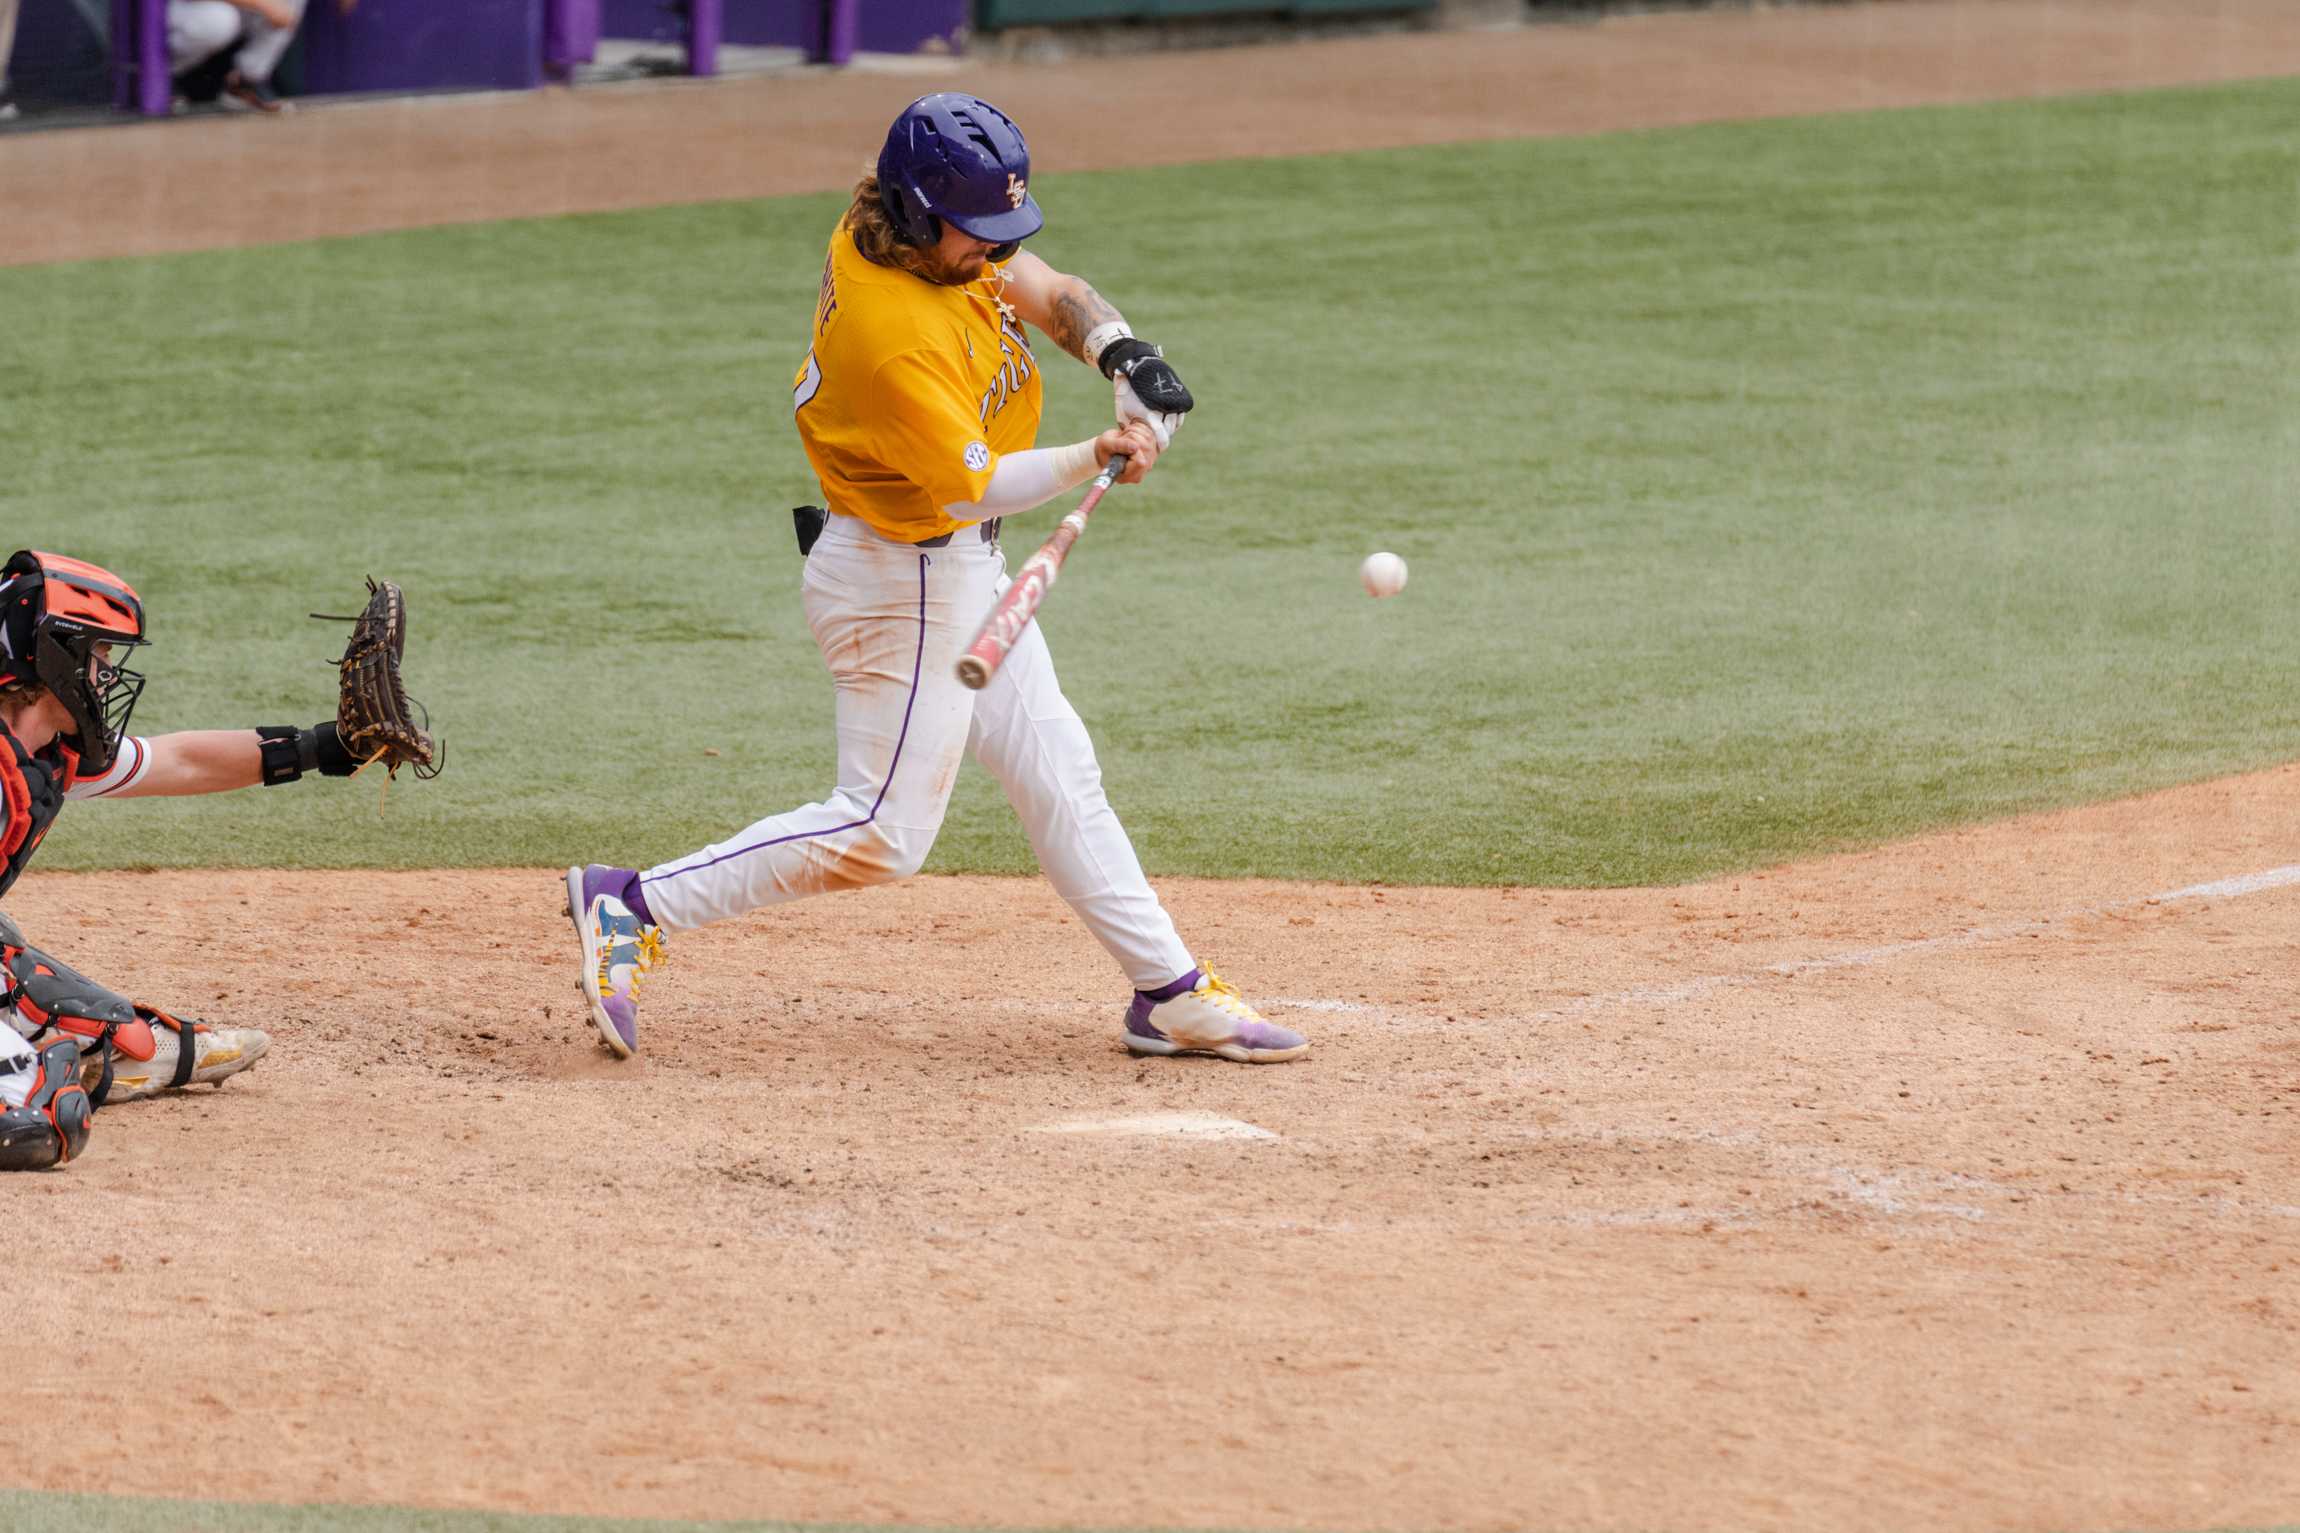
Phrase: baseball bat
(1015, 609)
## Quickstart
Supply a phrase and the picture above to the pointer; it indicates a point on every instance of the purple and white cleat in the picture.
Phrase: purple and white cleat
(1201, 1013)
(620, 948)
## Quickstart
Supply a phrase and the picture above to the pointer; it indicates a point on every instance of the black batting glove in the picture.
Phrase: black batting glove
(1153, 378)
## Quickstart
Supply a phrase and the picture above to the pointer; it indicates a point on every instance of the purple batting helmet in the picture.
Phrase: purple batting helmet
(957, 159)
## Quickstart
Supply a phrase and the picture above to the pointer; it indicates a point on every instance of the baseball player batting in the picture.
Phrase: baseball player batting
(918, 404)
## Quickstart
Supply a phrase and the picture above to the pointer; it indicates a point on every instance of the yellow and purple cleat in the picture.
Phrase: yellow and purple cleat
(619, 950)
(1201, 1013)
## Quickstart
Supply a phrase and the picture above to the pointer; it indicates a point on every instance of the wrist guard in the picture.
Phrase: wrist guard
(1101, 338)
(289, 752)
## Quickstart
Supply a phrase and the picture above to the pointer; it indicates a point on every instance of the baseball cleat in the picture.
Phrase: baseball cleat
(1202, 1013)
(241, 94)
(619, 950)
(218, 1054)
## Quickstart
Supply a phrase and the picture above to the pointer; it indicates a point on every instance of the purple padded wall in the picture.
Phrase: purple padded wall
(904, 26)
(423, 45)
(59, 58)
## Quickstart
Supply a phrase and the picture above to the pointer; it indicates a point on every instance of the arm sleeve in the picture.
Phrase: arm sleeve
(1025, 479)
(127, 769)
(925, 427)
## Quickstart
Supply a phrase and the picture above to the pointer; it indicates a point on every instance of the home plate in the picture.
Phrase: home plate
(1176, 1125)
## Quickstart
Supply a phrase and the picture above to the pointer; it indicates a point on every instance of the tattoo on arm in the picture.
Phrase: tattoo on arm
(1076, 312)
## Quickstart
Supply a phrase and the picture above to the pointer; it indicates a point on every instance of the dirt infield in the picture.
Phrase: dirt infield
(1947, 1186)
(1954, 1185)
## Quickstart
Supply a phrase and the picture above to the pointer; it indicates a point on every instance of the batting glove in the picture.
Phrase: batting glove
(1146, 387)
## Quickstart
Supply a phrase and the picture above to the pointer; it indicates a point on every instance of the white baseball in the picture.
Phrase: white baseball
(1382, 574)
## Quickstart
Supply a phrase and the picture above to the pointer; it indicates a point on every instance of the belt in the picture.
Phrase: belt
(989, 534)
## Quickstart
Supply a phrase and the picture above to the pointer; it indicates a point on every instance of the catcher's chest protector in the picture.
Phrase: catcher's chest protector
(34, 788)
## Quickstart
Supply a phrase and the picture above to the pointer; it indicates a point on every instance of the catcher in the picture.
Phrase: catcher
(65, 626)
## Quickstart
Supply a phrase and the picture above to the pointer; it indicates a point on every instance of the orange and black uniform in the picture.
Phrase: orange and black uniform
(34, 784)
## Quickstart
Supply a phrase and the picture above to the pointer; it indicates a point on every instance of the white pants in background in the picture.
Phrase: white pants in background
(892, 621)
(198, 30)
(7, 40)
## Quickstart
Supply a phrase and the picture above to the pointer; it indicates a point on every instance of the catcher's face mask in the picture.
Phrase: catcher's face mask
(65, 624)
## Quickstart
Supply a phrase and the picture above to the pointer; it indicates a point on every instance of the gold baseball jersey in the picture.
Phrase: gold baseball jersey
(910, 392)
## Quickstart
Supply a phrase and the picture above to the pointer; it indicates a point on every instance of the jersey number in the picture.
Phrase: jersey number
(810, 381)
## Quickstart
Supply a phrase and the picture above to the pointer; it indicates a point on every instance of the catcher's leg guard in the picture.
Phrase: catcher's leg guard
(51, 1126)
(53, 997)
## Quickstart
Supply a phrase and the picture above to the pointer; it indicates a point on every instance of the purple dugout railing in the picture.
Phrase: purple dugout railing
(704, 26)
(140, 56)
(842, 20)
(500, 44)
(828, 31)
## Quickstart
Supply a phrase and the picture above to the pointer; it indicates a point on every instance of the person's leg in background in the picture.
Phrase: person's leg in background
(200, 32)
(7, 47)
(266, 43)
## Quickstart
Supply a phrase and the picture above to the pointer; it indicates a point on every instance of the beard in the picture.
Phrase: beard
(951, 273)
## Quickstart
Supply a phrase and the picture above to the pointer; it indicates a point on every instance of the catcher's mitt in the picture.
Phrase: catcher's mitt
(372, 711)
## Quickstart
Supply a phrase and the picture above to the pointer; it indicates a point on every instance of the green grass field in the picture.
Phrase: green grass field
(1768, 488)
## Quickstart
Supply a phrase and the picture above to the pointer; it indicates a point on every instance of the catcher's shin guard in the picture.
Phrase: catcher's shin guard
(53, 996)
(52, 1125)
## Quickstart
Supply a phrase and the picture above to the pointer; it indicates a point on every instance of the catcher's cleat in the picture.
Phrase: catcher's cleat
(619, 951)
(215, 1054)
(1201, 1013)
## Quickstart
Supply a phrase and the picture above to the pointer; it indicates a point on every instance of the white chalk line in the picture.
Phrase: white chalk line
(1910, 1196)
(1887, 1193)
(1901, 1192)
(2228, 888)
(1710, 984)
(1853, 958)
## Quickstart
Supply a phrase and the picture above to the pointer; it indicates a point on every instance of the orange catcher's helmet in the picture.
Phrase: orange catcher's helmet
(64, 623)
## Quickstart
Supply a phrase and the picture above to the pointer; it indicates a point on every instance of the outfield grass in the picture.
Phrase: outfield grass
(1768, 488)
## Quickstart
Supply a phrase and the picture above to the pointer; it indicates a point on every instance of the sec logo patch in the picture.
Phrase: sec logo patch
(977, 456)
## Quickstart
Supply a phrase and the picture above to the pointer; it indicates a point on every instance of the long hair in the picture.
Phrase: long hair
(18, 693)
(875, 236)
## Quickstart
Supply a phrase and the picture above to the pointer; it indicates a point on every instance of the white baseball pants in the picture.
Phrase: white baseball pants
(7, 40)
(892, 621)
(198, 30)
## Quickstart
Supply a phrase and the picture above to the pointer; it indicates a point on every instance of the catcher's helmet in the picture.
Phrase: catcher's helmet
(54, 612)
(957, 158)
